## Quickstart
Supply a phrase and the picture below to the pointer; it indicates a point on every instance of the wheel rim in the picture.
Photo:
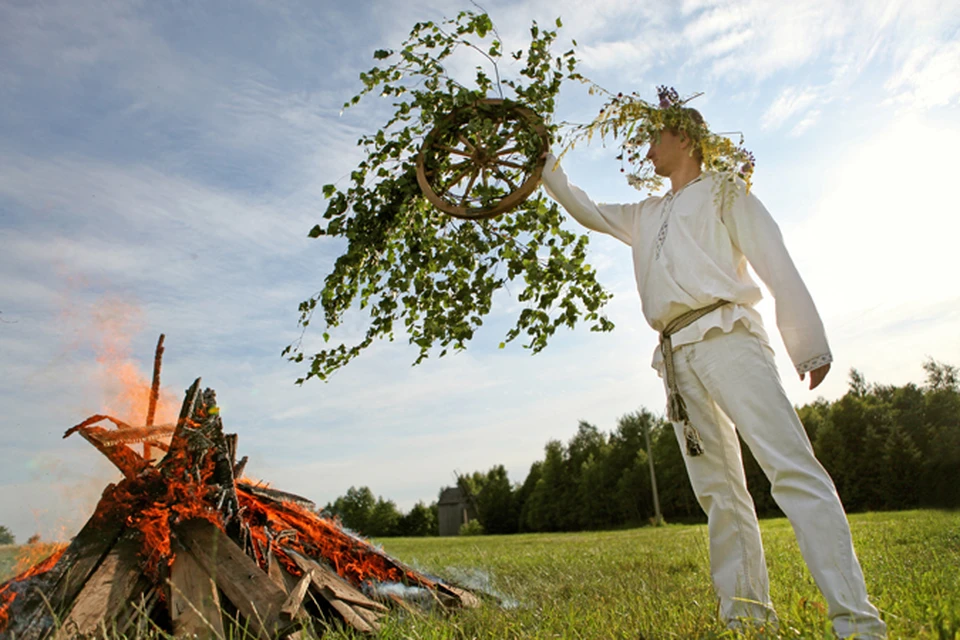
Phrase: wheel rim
(482, 160)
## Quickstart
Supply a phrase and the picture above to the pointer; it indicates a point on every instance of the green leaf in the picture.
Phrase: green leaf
(405, 265)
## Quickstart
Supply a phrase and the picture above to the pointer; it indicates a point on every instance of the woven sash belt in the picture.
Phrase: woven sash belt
(676, 408)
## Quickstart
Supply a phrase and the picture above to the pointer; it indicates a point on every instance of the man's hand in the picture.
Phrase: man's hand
(817, 376)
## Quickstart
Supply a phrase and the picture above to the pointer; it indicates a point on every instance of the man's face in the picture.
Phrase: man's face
(667, 153)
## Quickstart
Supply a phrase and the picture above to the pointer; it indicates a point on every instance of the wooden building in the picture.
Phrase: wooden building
(453, 511)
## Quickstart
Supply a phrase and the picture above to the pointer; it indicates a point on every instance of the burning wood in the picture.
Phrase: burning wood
(181, 544)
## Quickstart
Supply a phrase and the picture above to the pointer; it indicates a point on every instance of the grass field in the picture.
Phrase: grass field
(654, 582)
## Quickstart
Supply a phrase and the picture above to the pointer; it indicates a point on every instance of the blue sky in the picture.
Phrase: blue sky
(161, 164)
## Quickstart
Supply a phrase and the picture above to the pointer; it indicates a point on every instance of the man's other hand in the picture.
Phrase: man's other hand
(817, 376)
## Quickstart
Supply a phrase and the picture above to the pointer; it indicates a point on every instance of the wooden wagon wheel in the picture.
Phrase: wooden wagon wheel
(483, 159)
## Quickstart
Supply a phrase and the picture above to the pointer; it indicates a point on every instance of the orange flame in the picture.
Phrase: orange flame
(126, 390)
(314, 536)
(8, 595)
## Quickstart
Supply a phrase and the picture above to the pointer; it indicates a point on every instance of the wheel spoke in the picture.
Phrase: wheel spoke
(466, 142)
(504, 152)
(505, 178)
(459, 152)
(459, 176)
(506, 163)
(466, 193)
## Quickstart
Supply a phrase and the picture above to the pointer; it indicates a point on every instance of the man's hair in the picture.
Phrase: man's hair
(698, 121)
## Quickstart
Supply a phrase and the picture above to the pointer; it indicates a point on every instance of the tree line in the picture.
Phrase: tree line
(886, 447)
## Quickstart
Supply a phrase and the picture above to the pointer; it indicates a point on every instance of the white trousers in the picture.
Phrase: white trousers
(731, 379)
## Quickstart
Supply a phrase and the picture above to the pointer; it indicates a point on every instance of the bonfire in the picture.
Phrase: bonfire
(186, 544)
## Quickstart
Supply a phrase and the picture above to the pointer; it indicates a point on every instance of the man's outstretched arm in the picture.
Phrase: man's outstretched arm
(613, 219)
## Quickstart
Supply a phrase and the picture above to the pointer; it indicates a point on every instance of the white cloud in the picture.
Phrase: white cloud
(790, 102)
(929, 77)
(879, 252)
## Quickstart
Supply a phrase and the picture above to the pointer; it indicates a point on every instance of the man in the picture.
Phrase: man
(690, 251)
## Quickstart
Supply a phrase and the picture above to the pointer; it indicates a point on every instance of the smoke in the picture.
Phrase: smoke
(480, 581)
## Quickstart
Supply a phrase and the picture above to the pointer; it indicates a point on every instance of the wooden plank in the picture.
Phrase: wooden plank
(327, 577)
(276, 572)
(347, 606)
(467, 599)
(106, 593)
(243, 582)
(346, 611)
(194, 602)
(370, 617)
(134, 619)
(292, 605)
(68, 576)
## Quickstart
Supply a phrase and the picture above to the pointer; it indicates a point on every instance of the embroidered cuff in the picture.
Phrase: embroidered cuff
(814, 363)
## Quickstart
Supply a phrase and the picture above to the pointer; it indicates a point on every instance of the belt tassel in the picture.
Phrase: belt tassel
(676, 407)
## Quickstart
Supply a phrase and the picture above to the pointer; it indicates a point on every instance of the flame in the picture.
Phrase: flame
(155, 500)
(126, 389)
(31, 555)
(313, 536)
(7, 592)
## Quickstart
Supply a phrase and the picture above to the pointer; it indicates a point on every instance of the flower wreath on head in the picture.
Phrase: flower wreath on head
(638, 122)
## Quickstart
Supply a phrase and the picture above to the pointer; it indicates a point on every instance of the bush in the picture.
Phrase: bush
(472, 528)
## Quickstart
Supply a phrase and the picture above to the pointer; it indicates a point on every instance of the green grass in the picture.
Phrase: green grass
(8, 559)
(654, 582)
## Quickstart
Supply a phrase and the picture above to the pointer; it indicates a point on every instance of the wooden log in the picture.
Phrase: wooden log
(292, 605)
(326, 577)
(239, 467)
(194, 601)
(154, 395)
(106, 593)
(134, 619)
(231, 439)
(277, 496)
(67, 577)
(346, 612)
(464, 598)
(123, 457)
(356, 609)
(277, 573)
(252, 592)
(188, 411)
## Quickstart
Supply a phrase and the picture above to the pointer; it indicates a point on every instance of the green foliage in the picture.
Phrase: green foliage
(421, 520)
(637, 123)
(416, 271)
(6, 536)
(890, 447)
(885, 447)
(377, 517)
(472, 528)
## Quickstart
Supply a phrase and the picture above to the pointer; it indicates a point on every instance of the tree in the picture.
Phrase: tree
(941, 376)
(354, 509)
(496, 507)
(421, 520)
(416, 271)
(384, 519)
(6, 536)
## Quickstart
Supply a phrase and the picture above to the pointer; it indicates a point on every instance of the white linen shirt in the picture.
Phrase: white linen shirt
(688, 253)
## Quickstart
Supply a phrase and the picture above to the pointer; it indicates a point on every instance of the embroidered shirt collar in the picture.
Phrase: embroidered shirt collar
(671, 194)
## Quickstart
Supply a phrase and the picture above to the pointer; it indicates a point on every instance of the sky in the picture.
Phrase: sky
(162, 162)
